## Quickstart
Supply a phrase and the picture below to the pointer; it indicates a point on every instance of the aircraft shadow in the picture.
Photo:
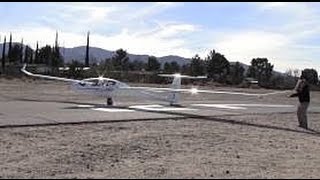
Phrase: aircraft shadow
(230, 121)
(181, 116)
(56, 101)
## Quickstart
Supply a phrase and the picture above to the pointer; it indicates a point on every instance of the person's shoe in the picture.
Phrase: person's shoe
(303, 126)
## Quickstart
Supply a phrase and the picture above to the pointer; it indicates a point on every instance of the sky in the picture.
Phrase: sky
(287, 33)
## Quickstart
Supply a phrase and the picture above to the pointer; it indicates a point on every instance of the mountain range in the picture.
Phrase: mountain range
(98, 54)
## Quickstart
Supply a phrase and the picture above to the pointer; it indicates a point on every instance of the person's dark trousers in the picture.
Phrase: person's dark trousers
(302, 114)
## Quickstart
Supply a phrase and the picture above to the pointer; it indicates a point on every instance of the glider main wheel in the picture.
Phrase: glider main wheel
(109, 102)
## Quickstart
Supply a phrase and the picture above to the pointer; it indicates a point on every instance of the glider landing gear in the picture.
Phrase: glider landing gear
(109, 101)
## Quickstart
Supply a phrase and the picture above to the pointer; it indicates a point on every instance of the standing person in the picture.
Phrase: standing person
(303, 92)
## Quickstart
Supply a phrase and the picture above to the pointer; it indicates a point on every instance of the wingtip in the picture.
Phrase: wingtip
(23, 69)
(24, 66)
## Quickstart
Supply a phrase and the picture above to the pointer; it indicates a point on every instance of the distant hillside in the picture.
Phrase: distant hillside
(7, 47)
(98, 54)
(79, 53)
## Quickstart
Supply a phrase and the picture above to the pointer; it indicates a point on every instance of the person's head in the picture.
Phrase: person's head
(303, 75)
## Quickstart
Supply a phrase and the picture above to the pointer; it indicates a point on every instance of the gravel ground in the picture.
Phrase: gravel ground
(239, 146)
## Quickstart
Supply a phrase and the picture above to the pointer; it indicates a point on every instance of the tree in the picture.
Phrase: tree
(236, 73)
(21, 51)
(105, 67)
(261, 69)
(153, 64)
(36, 58)
(167, 67)
(217, 66)
(10, 48)
(172, 67)
(175, 66)
(197, 66)
(289, 79)
(185, 69)
(279, 81)
(87, 51)
(311, 76)
(120, 61)
(28, 55)
(57, 59)
(76, 69)
(4, 54)
(136, 65)
(15, 53)
(45, 55)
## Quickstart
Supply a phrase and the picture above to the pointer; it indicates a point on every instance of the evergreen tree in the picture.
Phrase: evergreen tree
(185, 69)
(87, 51)
(36, 59)
(121, 61)
(76, 69)
(261, 69)
(107, 66)
(15, 53)
(45, 55)
(25, 60)
(175, 67)
(21, 52)
(136, 65)
(57, 59)
(167, 67)
(172, 67)
(217, 66)
(4, 54)
(197, 66)
(236, 75)
(10, 49)
(153, 64)
(28, 55)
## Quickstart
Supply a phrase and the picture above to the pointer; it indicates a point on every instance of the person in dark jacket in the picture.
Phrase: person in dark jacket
(302, 91)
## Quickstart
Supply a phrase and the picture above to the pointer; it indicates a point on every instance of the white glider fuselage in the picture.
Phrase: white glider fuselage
(99, 86)
(108, 88)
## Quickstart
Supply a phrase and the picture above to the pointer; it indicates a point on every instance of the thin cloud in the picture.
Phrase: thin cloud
(243, 46)
(272, 5)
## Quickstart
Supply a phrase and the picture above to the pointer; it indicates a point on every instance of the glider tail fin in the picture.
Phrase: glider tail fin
(174, 97)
